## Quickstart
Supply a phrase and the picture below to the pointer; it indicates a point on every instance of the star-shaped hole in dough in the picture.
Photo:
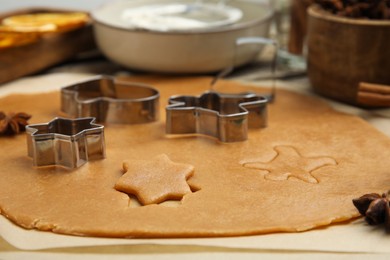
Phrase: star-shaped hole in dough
(156, 180)
(289, 163)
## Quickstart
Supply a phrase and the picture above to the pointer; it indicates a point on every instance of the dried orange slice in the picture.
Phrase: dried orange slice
(46, 22)
(14, 39)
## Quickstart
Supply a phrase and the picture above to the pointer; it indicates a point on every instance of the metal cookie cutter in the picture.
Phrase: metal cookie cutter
(65, 142)
(224, 116)
(111, 101)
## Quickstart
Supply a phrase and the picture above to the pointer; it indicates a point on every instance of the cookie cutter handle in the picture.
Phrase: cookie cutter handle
(252, 40)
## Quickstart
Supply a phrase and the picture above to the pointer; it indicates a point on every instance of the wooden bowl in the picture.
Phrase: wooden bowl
(344, 53)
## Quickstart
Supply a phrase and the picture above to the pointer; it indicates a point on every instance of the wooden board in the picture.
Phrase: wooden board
(51, 49)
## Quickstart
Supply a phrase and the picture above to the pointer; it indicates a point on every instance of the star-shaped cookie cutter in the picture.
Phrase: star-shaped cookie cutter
(65, 142)
(224, 116)
(111, 101)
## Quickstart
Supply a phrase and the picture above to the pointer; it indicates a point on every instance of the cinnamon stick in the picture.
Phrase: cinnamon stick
(374, 88)
(374, 95)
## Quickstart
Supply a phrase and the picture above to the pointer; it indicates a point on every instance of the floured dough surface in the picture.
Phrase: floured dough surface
(300, 172)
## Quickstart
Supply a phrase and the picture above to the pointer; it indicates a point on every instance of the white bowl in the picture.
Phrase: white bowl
(192, 51)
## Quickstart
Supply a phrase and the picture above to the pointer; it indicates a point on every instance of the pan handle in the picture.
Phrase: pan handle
(252, 40)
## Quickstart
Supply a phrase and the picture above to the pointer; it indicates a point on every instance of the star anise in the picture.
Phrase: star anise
(375, 208)
(13, 123)
(371, 9)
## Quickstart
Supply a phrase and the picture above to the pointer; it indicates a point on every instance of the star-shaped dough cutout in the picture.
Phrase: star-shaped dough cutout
(289, 163)
(156, 180)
